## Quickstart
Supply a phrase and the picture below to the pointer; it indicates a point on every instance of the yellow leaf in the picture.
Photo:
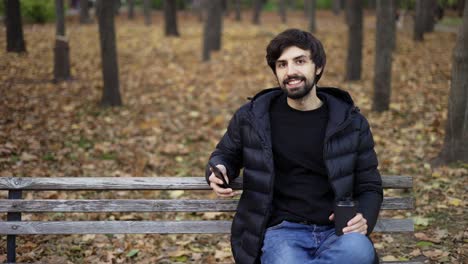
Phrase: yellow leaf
(454, 201)
(176, 194)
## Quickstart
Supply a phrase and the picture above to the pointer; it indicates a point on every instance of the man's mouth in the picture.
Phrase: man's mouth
(294, 82)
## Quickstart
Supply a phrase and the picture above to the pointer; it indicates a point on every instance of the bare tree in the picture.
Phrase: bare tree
(61, 50)
(420, 19)
(84, 12)
(336, 7)
(110, 68)
(14, 27)
(170, 18)
(131, 9)
(212, 29)
(460, 6)
(455, 146)
(147, 11)
(429, 19)
(282, 10)
(385, 34)
(238, 10)
(311, 14)
(354, 59)
(258, 4)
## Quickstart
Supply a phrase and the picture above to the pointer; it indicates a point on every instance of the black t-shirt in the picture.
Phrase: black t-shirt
(302, 191)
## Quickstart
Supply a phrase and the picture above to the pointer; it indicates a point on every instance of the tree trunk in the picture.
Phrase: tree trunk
(14, 27)
(147, 11)
(238, 10)
(256, 12)
(311, 15)
(345, 7)
(217, 28)
(84, 12)
(419, 20)
(456, 130)
(429, 21)
(170, 18)
(460, 6)
(282, 10)
(225, 7)
(354, 60)
(110, 69)
(336, 7)
(212, 28)
(131, 9)
(61, 50)
(385, 34)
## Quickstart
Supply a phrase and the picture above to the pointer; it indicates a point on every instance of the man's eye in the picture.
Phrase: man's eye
(281, 65)
(301, 61)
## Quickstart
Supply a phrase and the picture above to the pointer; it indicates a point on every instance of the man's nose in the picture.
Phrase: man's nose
(292, 70)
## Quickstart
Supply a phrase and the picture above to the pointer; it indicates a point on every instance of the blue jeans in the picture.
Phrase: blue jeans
(292, 243)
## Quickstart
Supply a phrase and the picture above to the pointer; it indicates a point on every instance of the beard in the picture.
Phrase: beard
(297, 92)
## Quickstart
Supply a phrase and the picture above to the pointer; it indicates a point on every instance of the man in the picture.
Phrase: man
(302, 149)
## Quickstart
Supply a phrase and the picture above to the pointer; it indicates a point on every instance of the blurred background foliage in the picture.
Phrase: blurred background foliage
(35, 11)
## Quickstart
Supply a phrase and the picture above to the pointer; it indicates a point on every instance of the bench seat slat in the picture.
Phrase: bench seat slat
(401, 262)
(143, 183)
(127, 205)
(153, 227)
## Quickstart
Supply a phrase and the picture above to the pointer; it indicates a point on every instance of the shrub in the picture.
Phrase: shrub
(35, 11)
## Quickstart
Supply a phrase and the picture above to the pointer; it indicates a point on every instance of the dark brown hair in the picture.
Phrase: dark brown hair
(301, 39)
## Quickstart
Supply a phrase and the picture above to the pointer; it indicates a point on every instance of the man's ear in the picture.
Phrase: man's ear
(318, 71)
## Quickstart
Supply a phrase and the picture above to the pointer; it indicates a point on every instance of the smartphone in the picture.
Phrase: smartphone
(217, 172)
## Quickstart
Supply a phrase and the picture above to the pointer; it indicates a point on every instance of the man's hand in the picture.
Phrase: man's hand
(357, 224)
(215, 184)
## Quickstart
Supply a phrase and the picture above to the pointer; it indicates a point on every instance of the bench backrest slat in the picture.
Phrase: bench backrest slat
(154, 227)
(173, 205)
(143, 183)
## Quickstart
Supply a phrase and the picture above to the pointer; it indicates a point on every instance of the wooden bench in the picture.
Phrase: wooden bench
(14, 206)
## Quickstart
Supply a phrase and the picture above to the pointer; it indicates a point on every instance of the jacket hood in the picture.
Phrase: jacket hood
(339, 102)
(261, 101)
(337, 94)
(331, 91)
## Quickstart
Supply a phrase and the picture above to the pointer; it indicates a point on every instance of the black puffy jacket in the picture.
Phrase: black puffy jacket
(348, 152)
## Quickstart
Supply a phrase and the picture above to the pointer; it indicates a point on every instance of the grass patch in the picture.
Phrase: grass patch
(451, 21)
(14, 158)
(49, 157)
(85, 143)
(108, 156)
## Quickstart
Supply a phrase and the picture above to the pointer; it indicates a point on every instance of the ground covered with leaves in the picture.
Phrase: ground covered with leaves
(175, 110)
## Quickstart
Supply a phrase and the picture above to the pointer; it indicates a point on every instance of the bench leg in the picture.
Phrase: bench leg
(11, 239)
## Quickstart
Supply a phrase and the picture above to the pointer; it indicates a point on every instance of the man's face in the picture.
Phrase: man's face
(295, 72)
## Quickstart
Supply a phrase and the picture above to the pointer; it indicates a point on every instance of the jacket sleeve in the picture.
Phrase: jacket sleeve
(228, 151)
(368, 183)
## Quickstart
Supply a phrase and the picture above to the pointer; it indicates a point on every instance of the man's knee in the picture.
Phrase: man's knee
(357, 246)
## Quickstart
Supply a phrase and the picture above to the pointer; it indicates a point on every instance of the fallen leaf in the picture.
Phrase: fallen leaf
(27, 157)
(389, 258)
(132, 253)
(454, 201)
(176, 194)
